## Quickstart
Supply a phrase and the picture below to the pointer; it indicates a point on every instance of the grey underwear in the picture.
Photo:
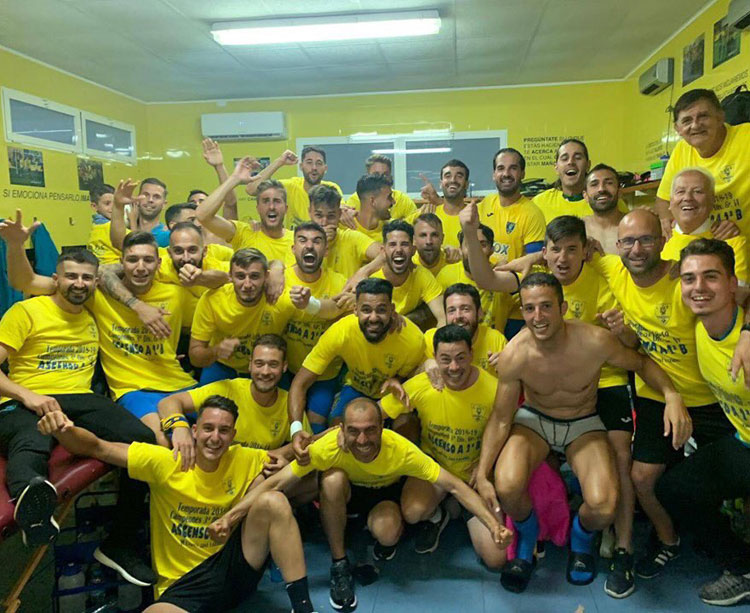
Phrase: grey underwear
(558, 433)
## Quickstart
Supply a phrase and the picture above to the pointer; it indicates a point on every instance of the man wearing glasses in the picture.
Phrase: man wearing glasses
(652, 306)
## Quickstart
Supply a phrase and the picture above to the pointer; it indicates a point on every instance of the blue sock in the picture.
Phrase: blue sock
(317, 428)
(581, 540)
(528, 530)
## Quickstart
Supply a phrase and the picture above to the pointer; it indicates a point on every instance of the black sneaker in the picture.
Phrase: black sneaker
(516, 574)
(620, 582)
(658, 555)
(342, 597)
(125, 561)
(581, 568)
(727, 590)
(428, 534)
(33, 513)
(382, 553)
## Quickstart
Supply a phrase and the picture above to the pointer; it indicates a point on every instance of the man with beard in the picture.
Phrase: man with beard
(517, 223)
(708, 142)
(403, 206)
(452, 421)
(51, 344)
(376, 357)
(363, 467)
(304, 329)
(152, 197)
(463, 307)
(198, 568)
(271, 238)
(375, 201)
(652, 306)
(428, 242)
(566, 196)
(228, 319)
(412, 285)
(460, 272)
(556, 364)
(691, 204)
(312, 164)
(602, 190)
(454, 181)
(262, 422)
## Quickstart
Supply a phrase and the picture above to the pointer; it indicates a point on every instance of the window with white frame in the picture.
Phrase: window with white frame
(30, 120)
(108, 138)
(412, 155)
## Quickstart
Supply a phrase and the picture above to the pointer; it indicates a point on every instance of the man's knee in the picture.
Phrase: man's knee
(493, 558)
(602, 501)
(645, 476)
(385, 522)
(415, 509)
(274, 504)
(333, 484)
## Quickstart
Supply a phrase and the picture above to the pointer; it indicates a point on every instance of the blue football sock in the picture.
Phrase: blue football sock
(528, 530)
(581, 540)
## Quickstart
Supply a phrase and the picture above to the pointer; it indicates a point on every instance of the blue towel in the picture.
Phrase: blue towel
(45, 252)
(8, 295)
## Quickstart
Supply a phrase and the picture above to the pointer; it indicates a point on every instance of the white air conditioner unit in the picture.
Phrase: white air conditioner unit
(657, 78)
(244, 126)
(738, 14)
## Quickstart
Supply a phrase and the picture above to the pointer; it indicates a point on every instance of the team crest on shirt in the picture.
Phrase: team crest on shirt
(275, 427)
(229, 486)
(389, 360)
(265, 319)
(93, 333)
(510, 226)
(576, 307)
(663, 312)
(726, 173)
(476, 412)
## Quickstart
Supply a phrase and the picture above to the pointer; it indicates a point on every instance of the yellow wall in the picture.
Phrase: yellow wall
(61, 201)
(620, 126)
(647, 122)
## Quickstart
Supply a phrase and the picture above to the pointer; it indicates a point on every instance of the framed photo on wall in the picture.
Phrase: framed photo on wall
(26, 167)
(89, 174)
(726, 42)
(692, 60)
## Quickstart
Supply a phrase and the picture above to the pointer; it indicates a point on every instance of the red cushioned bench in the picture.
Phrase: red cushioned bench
(70, 475)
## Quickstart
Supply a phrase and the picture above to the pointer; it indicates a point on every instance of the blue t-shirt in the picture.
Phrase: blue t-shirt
(161, 233)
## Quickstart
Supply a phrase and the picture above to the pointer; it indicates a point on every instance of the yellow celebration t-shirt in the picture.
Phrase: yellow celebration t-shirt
(348, 252)
(665, 327)
(376, 234)
(272, 248)
(298, 202)
(420, 286)
(403, 206)
(398, 458)
(486, 342)
(515, 226)
(51, 351)
(588, 295)
(714, 358)
(435, 269)
(553, 203)
(730, 167)
(257, 426)
(184, 504)
(679, 241)
(451, 226)
(452, 421)
(100, 244)
(132, 358)
(369, 364)
(303, 329)
(456, 273)
(167, 273)
(220, 315)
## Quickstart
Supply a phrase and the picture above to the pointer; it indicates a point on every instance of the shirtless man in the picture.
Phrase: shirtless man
(602, 192)
(559, 414)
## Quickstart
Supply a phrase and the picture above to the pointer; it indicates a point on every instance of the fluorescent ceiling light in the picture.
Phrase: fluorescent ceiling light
(411, 151)
(329, 28)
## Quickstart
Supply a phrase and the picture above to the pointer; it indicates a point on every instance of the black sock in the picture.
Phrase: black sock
(299, 595)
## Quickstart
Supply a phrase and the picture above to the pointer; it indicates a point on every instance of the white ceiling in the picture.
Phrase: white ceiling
(162, 50)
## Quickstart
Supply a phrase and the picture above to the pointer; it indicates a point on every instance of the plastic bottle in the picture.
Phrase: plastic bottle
(72, 576)
(128, 597)
(97, 596)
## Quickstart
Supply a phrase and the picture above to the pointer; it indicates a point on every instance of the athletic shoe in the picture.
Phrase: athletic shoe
(620, 582)
(126, 562)
(540, 551)
(658, 555)
(727, 590)
(515, 575)
(342, 597)
(33, 513)
(428, 534)
(584, 567)
(382, 553)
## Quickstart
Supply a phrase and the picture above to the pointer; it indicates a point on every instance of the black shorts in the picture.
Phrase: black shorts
(217, 584)
(650, 446)
(615, 408)
(363, 499)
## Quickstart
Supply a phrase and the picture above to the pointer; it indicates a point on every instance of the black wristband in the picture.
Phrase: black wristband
(745, 328)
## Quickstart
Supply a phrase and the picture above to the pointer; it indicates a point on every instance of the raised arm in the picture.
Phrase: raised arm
(214, 158)
(182, 438)
(21, 275)
(481, 271)
(438, 310)
(288, 158)
(81, 442)
(123, 197)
